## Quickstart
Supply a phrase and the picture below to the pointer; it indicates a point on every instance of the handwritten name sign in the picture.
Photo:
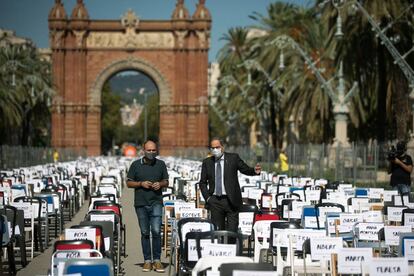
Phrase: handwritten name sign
(388, 195)
(220, 250)
(252, 273)
(323, 247)
(388, 266)
(395, 213)
(81, 234)
(347, 221)
(313, 195)
(350, 259)
(195, 227)
(246, 222)
(392, 233)
(373, 216)
(375, 193)
(409, 219)
(369, 231)
(192, 213)
(297, 209)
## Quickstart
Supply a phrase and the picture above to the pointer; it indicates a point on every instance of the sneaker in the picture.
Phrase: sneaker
(147, 267)
(157, 266)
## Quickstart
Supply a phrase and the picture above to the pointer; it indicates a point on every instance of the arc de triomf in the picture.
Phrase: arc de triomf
(86, 53)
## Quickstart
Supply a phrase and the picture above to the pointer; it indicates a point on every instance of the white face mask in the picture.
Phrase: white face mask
(216, 152)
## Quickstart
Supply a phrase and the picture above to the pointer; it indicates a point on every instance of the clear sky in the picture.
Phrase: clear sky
(29, 17)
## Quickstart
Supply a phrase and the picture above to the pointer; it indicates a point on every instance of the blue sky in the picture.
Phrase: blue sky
(29, 17)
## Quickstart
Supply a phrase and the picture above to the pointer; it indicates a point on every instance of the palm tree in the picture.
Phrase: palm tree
(25, 91)
(383, 97)
(304, 96)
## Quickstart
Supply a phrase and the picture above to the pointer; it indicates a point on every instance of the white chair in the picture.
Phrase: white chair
(215, 262)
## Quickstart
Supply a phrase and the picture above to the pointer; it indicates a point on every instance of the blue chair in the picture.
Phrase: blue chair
(361, 192)
(89, 267)
(401, 246)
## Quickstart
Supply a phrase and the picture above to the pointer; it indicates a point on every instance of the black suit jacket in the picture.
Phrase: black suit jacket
(232, 164)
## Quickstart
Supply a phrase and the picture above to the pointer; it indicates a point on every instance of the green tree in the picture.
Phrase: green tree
(111, 117)
(25, 95)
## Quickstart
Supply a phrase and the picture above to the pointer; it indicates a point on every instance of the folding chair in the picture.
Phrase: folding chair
(101, 267)
(226, 269)
(185, 226)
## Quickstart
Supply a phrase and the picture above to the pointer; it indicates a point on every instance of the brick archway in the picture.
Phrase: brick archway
(85, 53)
(138, 64)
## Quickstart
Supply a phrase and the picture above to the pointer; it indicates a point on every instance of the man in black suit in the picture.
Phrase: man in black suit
(220, 187)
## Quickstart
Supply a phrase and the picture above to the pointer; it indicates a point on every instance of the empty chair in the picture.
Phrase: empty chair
(228, 268)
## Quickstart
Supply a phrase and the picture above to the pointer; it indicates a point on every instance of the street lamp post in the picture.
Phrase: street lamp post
(142, 92)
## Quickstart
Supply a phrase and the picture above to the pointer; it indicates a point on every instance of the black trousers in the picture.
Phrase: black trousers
(221, 212)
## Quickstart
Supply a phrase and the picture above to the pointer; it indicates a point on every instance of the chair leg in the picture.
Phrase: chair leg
(22, 245)
(10, 258)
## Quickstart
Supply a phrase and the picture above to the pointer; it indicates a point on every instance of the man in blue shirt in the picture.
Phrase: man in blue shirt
(148, 176)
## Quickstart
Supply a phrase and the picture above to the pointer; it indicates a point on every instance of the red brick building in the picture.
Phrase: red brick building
(86, 53)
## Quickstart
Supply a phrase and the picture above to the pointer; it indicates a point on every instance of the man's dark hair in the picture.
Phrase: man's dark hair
(149, 140)
(217, 139)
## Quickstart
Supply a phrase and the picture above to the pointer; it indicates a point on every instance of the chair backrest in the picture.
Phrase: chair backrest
(105, 205)
(332, 207)
(72, 245)
(99, 238)
(265, 216)
(228, 268)
(186, 225)
(101, 267)
(405, 246)
(277, 226)
(408, 217)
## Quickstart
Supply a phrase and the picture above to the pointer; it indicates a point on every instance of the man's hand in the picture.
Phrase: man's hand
(156, 186)
(258, 168)
(146, 184)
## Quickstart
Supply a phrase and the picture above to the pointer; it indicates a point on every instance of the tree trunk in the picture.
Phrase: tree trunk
(381, 121)
(400, 104)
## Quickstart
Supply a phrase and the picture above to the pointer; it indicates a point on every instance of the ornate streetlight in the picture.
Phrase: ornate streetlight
(340, 99)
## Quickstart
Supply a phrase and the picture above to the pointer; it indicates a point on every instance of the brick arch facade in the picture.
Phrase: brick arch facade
(85, 53)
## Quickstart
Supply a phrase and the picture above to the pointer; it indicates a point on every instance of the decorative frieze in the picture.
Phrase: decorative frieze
(144, 40)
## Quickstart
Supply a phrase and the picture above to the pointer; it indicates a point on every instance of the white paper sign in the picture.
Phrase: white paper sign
(388, 195)
(409, 219)
(72, 254)
(395, 213)
(255, 193)
(267, 202)
(347, 221)
(193, 213)
(28, 209)
(179, 206)
(81, 234)
(310, 222)
(253, 273)
(297, 209)
(369, 231)
(388, 266)
(350, 259)
(246, 222)
(313, 195)
(192, 249)
(375, 193)
(373, 216)
(323, 247)
(220, 250)
(299, 236)
(409, 248)
(392, 233)
(195, 227)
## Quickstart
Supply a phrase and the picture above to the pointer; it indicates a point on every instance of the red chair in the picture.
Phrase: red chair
(72, 245)
(115, 207)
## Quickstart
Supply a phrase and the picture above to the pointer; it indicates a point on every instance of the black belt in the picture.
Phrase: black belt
(221, 197)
